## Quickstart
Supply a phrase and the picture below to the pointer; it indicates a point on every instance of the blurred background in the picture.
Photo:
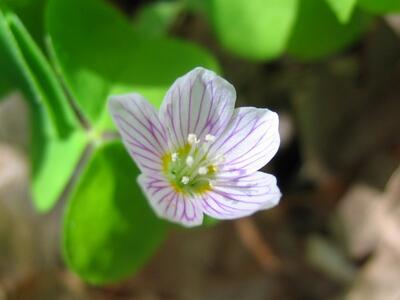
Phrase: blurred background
(331, 69)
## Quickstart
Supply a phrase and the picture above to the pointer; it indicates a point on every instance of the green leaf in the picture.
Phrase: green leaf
(99, 54)
(109, 228)
(10, 74)
(54, 161)
(257, 29)
(57, 142)
(155, 19)
(380, 6)
(342, 8)
(49, 92)
(31, 13)
(318, 33)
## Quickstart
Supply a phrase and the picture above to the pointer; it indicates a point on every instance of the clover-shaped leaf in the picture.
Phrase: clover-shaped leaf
(99, 54)
(57, 139)
(342, 8)
(257, 29)
(109, 229)
(318, 33)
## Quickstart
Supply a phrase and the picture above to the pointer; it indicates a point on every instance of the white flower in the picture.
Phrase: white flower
(198, 155)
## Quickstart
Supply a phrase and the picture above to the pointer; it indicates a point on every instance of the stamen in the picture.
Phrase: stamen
(185, 179)
(212, 169)
(192, 139)
(174, 157)
(202, 171)
(189, 160)
(193, 167)
(219, 159)
(209, 138)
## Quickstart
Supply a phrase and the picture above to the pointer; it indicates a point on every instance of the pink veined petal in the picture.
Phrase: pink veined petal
(240, 197)
(200, 102)
(249, 142)
(142, 133)
(168, 204)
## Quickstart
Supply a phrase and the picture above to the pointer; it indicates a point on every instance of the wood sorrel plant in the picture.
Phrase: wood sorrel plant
(198, 155)
(108, 230)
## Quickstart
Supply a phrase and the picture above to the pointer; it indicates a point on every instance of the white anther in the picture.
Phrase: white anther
(209, 138)
(219, 159)
(189, 161)
(174, 156)
(203, 171)
(192, 139)
(210, 184)
(185, 179)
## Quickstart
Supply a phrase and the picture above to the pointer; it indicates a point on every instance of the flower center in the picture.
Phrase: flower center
(191, 169)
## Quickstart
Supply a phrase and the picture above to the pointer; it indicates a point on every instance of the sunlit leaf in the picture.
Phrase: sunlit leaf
(99, 53)
(318, 33)
(57, 141)
(257, 29)
(49, 92)
(342, 8)
(54, 162)
(109, 228)
(156, 18)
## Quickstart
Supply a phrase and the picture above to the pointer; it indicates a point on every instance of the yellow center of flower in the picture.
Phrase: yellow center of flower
(190, 169)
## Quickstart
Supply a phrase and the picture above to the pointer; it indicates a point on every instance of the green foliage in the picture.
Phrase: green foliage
(49, 92)
(308, 29)
(155, 19)
(99, 54)
(109, 230)
(31, 13)
(9, 68)
(342, 8)
(54, 161)
(125, 231)
(255, 29)
(318, 33)
(380, 6)
(52, 118)
(55, 147)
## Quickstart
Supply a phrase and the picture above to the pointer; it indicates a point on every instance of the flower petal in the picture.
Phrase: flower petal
(243, 196)
(168, 204)
(142, 133)
(249, 142)
(200, 102)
